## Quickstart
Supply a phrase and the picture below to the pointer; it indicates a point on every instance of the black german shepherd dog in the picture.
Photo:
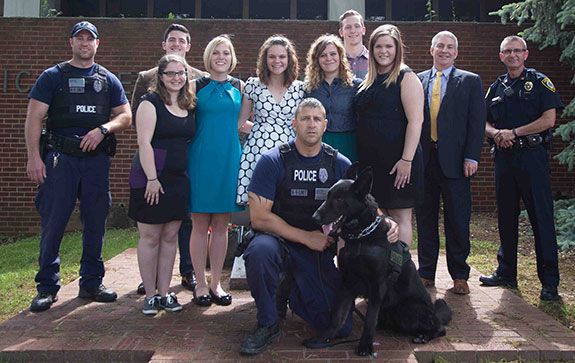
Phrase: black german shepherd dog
(374, 268)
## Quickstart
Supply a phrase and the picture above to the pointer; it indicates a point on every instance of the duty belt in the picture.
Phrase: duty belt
(526, 142)
(71, 145)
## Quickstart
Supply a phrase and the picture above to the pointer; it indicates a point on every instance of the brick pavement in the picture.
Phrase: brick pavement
(488, 324)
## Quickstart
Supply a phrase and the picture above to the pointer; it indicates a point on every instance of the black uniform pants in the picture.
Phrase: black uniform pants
(525, 174)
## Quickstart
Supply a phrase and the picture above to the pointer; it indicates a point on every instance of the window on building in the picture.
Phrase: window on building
(178, 8)
(126, 8)
(269, 9)
(312, 9)
(80, 8)
(413, 10)
(375, 10)
(222, 9)
(490, 6)
(458, 10)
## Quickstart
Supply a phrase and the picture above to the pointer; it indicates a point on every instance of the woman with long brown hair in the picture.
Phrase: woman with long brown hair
(273, 97)
(390, 109)
(329, 79)
(159, 185)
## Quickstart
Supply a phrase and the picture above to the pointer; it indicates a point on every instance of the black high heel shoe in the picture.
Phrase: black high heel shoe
(223, 300)
(203, 300)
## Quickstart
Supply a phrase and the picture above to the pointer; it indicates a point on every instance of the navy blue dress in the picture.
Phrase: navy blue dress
(380, 139)
(170, 140)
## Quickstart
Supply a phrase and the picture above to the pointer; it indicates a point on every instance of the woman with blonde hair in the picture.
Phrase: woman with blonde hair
(159, 186)
(273, 97)
(390, 109)
(329, 79)
(214, 159)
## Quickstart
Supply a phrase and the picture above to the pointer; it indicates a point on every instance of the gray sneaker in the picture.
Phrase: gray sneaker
(170, 303)
(151, 305)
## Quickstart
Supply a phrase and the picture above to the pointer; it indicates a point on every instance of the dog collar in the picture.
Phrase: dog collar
(369, 229)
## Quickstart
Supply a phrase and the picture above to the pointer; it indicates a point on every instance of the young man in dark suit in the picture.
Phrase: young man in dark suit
(451, 139)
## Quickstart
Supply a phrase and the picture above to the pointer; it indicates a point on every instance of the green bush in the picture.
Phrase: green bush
(565, 223)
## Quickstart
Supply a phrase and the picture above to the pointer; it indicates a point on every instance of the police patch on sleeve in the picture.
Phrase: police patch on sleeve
(547, 83)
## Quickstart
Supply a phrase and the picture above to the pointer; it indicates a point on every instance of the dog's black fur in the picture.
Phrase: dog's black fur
(399, 300)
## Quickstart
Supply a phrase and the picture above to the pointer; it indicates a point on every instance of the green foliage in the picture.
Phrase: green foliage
(553, 25)
(565, 222)
(430, 15)
(564, 215)
(48, 12)
(171, 16)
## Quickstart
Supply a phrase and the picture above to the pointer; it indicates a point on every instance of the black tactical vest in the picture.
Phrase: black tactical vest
(83, 101)
(304, 187)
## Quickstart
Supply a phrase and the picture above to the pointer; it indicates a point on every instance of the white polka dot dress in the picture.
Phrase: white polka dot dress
(272, 126)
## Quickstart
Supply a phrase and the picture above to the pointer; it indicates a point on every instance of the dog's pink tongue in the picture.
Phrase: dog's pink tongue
(326, 228)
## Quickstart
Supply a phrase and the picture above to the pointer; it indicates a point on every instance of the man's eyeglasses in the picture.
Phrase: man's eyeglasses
(172, 74)
(516, 51)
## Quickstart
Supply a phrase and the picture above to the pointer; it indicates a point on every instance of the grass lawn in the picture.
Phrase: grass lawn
(19, 264)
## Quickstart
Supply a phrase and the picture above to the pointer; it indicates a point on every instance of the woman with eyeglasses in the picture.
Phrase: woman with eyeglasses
(159, 186)
(214, 161)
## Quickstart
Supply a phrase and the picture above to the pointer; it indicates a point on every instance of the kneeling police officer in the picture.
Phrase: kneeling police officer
(289, 252)
(85, 105)
(521, 109)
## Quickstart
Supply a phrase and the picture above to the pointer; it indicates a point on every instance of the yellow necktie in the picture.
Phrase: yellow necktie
(434, 106)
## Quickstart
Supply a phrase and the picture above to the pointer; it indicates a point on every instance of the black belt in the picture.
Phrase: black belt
(526, 142)
(70, 145)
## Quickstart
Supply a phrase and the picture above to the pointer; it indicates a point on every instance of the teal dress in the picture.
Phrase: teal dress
(214, 153)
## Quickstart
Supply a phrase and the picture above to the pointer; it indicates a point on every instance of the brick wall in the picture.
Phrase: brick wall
(130, 45)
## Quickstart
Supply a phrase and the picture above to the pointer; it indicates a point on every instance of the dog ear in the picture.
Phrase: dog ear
(363, 183)
(352, 171)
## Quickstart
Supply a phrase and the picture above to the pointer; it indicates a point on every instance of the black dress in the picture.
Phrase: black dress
(380, 139)
(170, 140)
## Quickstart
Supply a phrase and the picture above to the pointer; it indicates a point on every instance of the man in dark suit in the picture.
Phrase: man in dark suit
(451, 139)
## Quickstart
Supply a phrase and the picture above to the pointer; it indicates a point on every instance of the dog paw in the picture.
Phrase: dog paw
(316, 343)
(421, 339)
(365, 349)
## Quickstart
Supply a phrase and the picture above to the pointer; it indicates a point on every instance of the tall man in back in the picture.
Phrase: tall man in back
(352, 30)
(86, 105)
(451, 139)
(521, 109)
(176, 41)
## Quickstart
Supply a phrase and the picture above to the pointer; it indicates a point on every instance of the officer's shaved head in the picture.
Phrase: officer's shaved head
(309, 102)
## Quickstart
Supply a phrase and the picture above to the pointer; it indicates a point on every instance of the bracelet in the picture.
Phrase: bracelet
(407, 161)
(156, 178)
(514, 133)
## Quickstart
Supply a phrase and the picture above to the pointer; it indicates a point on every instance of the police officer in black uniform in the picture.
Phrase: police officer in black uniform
(521, 109)
(85, 105)
(288, 184)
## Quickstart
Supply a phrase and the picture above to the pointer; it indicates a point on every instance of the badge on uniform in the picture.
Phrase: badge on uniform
(547, 83)
(97, 85)
(323, 175)
(76, 85)
(528, 86)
